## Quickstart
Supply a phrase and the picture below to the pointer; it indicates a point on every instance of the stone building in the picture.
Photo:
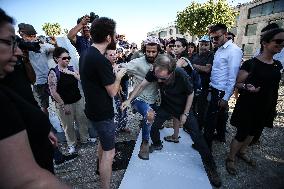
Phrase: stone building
(252, 18)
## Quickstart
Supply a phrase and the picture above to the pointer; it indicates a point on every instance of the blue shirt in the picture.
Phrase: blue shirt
(82, 44)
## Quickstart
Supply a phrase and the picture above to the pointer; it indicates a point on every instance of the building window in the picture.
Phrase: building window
(251, 29)
(171, 31)
(278, 6)
(163, 34)
(248, 48)
(266, 9)
(177, 30)
(280, 23)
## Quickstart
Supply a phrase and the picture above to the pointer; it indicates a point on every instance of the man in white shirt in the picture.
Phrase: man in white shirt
(225, 68)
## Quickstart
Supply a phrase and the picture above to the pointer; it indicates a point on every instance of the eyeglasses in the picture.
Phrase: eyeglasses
(13, 43)
(229, 38)
(278, 41)
(216, 38)
(66, 58)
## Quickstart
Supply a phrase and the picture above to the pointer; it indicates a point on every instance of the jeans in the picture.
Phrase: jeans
(196, 135)
(216, 117)
(121, 116)
(143, 108)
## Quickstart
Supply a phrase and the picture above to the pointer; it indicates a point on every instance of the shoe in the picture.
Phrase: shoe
(65, 159)
(154, 147)
(144, 150)
(91, 140)
(71, 149)
(171, 139)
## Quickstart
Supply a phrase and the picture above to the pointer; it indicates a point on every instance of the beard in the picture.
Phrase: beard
(112, 45)
(150, 59)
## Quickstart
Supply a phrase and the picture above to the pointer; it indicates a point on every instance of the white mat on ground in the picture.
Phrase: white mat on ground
(177, 165)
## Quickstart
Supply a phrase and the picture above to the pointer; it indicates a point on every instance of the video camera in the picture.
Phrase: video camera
(92, 16)
(28, 46)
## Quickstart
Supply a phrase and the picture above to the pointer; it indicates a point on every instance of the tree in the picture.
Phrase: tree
(196, 18)
(51, 29)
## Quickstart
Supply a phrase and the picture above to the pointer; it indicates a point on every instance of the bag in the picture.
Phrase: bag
(196, 79)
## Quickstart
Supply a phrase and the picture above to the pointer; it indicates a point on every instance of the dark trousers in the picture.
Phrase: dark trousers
(195, 133)
(216, 117)
(200, 106)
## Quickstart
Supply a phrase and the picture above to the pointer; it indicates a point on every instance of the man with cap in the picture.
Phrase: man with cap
(145, 102)
(39, 62)
(202, 62)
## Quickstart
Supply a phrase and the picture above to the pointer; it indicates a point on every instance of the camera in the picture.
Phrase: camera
(92, 16)
(28, 46)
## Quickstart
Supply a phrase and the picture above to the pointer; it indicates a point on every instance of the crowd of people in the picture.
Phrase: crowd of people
(171, 79)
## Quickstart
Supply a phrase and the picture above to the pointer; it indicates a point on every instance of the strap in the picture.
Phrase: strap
(188, 62)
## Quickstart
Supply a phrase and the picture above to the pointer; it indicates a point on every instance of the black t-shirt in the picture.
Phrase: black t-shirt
(174, 95)
(67, 88)
(202, 60)
(96, 72)
(17, 115)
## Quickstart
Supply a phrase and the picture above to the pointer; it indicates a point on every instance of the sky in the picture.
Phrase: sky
(134, 18)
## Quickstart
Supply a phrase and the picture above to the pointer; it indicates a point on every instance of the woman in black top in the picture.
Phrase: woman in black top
(258, 82)
(63, 85)
(25, 150)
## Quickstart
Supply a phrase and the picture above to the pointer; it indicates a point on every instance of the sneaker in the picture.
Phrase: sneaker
(65, 159)
(155, 147)
(71, 149)
(171, 139)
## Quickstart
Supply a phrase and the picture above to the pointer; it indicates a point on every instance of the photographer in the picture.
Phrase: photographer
(84, 41)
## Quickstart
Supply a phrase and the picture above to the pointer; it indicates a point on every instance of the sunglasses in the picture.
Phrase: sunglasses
(216, 38)
(278, 41)
(66, 58)
(171, 46)
(229, 38)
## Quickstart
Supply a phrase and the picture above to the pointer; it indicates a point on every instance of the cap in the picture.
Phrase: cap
(27, 29)
(204, 38)
(152, 40)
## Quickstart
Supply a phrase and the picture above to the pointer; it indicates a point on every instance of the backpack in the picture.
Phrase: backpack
(196, 79)
(57, 73)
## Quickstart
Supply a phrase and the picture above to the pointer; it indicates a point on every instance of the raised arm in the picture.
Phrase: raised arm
(73, 32)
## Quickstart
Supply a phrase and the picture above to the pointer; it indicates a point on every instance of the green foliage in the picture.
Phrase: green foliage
(196, 18)
(51, 29)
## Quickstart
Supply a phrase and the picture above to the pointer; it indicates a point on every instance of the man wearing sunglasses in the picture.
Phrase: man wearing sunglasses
(176, 99)
(226, 64)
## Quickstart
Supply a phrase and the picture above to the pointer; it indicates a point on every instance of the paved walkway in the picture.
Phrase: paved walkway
(175, 166)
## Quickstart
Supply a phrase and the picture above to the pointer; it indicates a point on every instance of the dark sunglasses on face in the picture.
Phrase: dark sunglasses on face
(171, 46)
(66, 58)
(229, 38)
(278, 41)
(216, 38)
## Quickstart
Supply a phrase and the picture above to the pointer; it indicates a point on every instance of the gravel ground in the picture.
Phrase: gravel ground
(269, 154)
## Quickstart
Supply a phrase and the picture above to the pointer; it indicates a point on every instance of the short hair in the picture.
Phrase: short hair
(152, 44)
(165, 62)
(101, 28)
(270, 27)
(4, 18)
(58, 51)
(172, 41)
(218, 27)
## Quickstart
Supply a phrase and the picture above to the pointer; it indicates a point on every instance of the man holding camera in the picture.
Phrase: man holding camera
(39, 62)
(83, 42)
